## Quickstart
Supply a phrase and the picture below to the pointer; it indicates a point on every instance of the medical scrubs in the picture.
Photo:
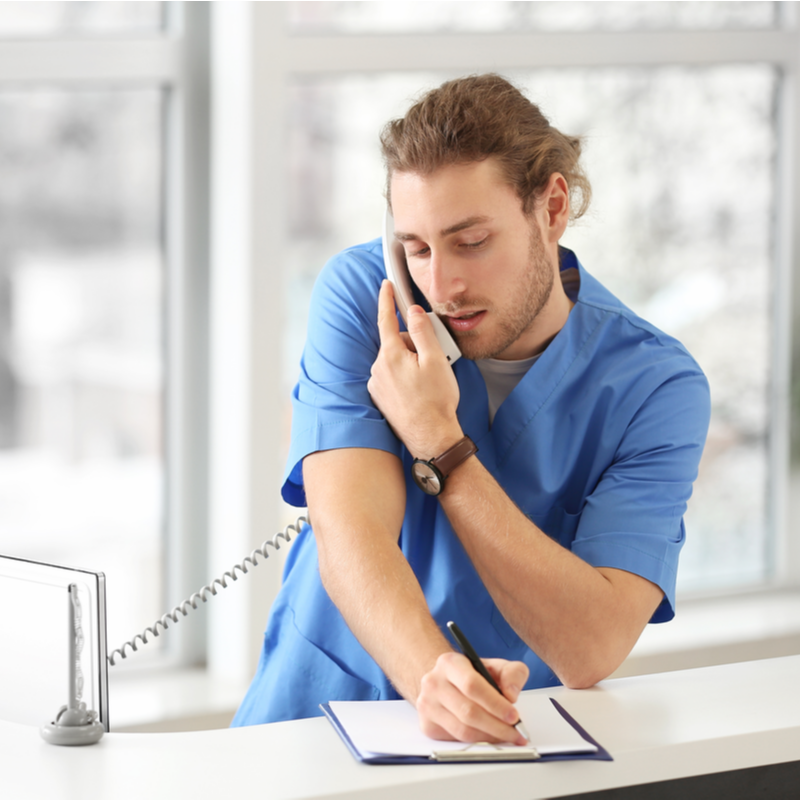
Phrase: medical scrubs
(598, 445)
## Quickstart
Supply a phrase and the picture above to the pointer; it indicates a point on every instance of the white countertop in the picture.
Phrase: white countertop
(657, 727)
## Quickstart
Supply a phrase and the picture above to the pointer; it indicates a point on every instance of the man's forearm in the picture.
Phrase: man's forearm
(356, 525)
(580, 620)
(380, 599)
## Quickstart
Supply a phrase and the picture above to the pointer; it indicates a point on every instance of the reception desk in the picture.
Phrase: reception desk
(728, 731)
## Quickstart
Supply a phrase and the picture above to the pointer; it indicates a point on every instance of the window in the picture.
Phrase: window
(512, 17)
(684, 138)
(81, 465)
(681, 229)
(84, 19)
(687, 110)
(97, 376)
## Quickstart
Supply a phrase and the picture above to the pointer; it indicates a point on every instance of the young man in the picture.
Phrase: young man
(577, 429)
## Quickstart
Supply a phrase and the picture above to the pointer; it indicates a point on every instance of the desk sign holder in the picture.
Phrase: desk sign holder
(74, 724)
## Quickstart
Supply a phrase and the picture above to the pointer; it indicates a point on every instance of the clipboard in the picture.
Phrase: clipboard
(387, 732)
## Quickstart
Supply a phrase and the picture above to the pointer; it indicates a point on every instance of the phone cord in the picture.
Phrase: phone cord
(184, 608)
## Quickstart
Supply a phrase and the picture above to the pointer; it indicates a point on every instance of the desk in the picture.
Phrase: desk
(657, 727)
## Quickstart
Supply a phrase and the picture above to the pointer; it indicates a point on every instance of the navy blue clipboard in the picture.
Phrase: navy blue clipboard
(600, 755)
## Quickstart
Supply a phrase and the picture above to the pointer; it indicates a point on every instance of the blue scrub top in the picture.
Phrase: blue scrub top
(598, 445)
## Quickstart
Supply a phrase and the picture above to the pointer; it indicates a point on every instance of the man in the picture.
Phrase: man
(556, 541)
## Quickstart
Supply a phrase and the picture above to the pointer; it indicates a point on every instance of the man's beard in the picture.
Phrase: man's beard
(531, 298)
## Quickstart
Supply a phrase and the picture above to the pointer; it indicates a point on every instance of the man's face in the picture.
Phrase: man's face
(478, 259)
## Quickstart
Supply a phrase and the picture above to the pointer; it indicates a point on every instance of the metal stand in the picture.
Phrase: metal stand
(74, 724)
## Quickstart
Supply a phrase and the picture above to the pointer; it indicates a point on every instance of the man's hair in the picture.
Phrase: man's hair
(481, 116)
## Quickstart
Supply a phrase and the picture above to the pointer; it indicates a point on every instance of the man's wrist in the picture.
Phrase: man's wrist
(442, 442)
(431, 475)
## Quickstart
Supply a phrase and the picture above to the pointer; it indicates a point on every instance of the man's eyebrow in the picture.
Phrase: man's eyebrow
(466, 223)
(459, 226)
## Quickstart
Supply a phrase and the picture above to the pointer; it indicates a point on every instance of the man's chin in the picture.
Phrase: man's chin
(473, 349)
(477, 344)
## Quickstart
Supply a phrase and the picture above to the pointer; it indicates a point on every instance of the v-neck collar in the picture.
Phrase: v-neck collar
(542, 380)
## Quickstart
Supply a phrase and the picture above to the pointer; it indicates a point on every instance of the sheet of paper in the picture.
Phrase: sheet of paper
(391, 727)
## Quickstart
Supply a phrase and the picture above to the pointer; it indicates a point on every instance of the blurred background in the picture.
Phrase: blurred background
(175, 175)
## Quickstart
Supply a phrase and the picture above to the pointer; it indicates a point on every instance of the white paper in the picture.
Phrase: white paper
(391, 727)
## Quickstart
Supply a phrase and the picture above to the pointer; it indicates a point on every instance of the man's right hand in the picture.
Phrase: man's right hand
(455, 702)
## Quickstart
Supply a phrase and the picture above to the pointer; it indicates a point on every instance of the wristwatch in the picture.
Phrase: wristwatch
(430, 475)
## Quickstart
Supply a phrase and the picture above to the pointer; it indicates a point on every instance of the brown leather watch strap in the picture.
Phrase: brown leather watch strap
(452, 457)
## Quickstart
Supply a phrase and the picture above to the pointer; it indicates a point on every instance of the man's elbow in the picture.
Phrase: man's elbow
(582, 681)
(587, 673)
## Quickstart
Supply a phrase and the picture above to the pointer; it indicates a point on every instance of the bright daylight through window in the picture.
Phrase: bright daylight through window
(81, 304)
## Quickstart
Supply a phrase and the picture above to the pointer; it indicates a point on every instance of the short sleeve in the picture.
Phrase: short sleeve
(633, 520)
(331, 407)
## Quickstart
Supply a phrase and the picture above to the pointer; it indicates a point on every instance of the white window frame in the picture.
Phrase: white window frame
(176, 61)
(254, 56)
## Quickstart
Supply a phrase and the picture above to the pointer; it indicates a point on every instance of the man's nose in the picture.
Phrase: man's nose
(446, 281)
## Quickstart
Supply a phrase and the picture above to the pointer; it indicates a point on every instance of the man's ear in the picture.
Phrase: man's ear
(554, 205)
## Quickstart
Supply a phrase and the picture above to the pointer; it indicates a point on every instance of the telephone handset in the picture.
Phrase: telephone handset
(394, 257)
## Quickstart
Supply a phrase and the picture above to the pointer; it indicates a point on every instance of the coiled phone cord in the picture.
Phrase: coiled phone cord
(184, 608)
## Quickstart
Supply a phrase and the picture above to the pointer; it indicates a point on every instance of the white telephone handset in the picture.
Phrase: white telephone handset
(394, 257)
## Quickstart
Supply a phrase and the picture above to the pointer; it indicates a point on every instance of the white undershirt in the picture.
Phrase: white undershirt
(501, 377)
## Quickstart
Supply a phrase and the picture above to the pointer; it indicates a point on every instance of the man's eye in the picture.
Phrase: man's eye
(474, 245)
(423, 251)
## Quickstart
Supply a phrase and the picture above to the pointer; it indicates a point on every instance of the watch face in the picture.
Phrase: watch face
(427, 477)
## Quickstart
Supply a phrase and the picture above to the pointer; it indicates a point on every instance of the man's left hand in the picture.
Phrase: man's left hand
(412, 383)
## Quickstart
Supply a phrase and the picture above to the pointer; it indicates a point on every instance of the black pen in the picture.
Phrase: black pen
(470, 653)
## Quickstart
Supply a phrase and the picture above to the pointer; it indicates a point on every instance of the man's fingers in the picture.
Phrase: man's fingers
(482, 707)
(423, 336)
(510, 676)
(447, 713)
(448, 728)
(408, 341)
(388, 326)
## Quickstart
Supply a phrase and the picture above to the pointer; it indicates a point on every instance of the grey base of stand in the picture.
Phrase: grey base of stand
(85, 734)
(73, 727)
